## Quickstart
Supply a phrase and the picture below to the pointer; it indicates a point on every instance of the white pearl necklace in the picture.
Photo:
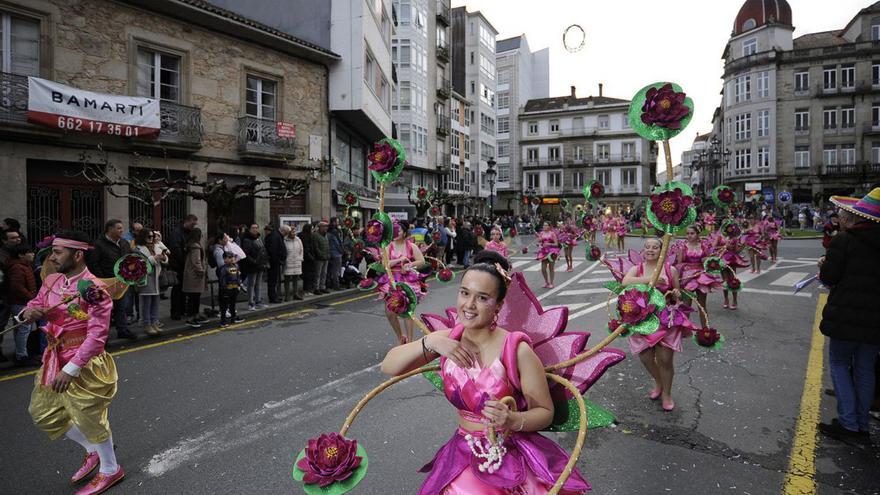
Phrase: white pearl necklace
(493, 453)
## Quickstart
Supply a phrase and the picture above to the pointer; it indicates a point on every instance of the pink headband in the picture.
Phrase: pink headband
(71, 244)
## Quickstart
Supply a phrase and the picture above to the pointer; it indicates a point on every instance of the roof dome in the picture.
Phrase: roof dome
(757, 13)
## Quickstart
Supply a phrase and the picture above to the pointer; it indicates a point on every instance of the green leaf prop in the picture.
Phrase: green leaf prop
(652, 131)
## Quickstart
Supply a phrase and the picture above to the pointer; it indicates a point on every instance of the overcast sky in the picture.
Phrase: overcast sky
(632, 43)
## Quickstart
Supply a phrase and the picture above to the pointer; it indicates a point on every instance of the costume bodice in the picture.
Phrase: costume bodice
(548, 238)
(640, 272)
(394, 254)
(469, 389)
(693, 255)
(498, 246)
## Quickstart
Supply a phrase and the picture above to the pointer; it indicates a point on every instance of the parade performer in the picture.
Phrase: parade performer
(730, 245)
(482, 366)
(497, 242)
(770, 227)
(77, 381)
(404, 258)
(568, 237)
(620, 232)
(709, 221)
(690, 255)
(548, 253)
(756, 243)
(607, 222)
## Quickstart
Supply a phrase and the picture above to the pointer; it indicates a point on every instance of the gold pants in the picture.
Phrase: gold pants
(84, 404)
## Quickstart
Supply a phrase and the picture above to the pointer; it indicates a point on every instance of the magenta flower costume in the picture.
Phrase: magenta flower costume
(756, 242)
(498, 246)
(692, 274)
(771, 230)
(410, 277)
(549, 249)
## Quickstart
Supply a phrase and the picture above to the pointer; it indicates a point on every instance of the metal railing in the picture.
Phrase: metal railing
(586, 160)
(444, 88)
(443, 125)
(260, 136)
(443, 52)
(443, 11)
(840, 169)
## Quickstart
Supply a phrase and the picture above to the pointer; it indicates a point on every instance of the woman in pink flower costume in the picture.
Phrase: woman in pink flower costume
(770, 226)
(656, 350)
(730, 247)
(620, 232)
(568, 237)
(404, 258)
(496, 243)
(548, 253)
(690, 254)
(709, 221)
(481, 364)
(756, 243)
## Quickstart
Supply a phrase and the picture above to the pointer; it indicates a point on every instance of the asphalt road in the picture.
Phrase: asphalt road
(227, 412)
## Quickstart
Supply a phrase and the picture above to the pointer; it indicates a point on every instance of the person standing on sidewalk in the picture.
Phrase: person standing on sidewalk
(108, 249)
(277, 259)
(22, 286)
(195, 276)
(229, 284)
(77, 382)
(321, 246)
(255, 265)
(144, 242)
(308, 264)
(292, 265)
(177, 246)
(334, 268)
(851, 318)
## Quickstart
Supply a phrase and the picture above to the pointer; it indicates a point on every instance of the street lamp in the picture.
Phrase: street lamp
(490, 176)
(711, 158)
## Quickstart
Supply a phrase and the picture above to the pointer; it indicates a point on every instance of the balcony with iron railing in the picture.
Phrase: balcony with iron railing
(258, 139)
(444, 88)
(840, 169)
(443, 126)
(442, 51)
(872, 128)
(180, 125)
(588, 160)
(443, 12)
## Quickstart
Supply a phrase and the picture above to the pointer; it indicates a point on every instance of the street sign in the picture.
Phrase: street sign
(769, 194)
(785, 197)
(285, 130)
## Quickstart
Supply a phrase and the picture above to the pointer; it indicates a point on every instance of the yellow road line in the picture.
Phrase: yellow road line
(353, 299)
(236, 326)
(800, 478)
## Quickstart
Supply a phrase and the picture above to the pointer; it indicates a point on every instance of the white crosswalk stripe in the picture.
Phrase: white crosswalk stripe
(777, 292)
(583, 292)
(595, 280)
(517, 264)
(571, 307)
(789, 279)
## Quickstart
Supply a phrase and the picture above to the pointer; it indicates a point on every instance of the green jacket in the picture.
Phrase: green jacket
(321, 246)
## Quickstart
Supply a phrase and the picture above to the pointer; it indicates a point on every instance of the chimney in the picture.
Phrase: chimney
(600, 89)
(573, 92)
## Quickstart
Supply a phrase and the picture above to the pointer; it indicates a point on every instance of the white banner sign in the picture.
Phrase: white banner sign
(75, 110)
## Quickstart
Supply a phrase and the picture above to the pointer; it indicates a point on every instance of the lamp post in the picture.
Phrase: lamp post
(711, 159)
(490, 176)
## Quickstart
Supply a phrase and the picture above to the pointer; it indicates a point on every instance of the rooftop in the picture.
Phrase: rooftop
(818, 40)
(508, 44)
(560, 102)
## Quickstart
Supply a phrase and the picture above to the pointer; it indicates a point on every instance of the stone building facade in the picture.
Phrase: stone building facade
(224, 83)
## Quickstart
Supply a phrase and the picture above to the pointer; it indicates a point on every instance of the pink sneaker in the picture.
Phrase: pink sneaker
(90, 462)
(102, 482)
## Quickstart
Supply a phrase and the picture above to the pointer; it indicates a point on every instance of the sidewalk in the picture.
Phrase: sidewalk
(179, 327)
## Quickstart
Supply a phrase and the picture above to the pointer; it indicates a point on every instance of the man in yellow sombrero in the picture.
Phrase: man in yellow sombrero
(851, 319)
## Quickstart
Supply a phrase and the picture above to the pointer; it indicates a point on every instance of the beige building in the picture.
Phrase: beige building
(567, 141)
(801, 114)
(224, 83)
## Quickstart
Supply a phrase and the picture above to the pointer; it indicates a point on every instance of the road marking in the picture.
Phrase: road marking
(808, 259)
(583, 292)
(353, 299)
(591, 309)
(532, 268)
(789, 279)
(567, 282)
(272, 418)
(799, 480)
(571, 307)
(517, 264)
(777, 292)
(596, 280)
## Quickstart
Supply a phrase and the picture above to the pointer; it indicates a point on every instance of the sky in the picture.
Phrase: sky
(633, 43)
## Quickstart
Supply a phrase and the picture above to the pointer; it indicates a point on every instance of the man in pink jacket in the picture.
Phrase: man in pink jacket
(77, 380)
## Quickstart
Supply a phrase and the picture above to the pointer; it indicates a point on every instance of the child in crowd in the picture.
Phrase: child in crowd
(229, 282)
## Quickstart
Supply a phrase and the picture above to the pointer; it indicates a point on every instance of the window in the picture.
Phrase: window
(604, 122)
(875, 116)
(801, 157)
(743, 161)
(579, 153)
(629, 151)
(405, 12)
(829, 118)
(487, 124)
(750, 47)
(763, 158)
(487, 151)
(554, 153)
(743, 89)
(625, 121)
(20, 45)
(455, 144)
(829, 78)
(532, 154)
(260, 98)
(404, 51)
(533, 180)
(628, 177)
(503, 100)
(467, 149)
(487, 38)
(487, 67)
(468, 116)
(503, 172)
(603, 151)
(473, 90)
(554, 180)
(504, 75)
(802, 81)
(847, 117)
(533, 128)
(404, 92)
(487, 95)
(848, 77)
(763, 123)
(472, 57)
(503, 149)
(749, 25)
(503, 125)
(802, 120)
(743, 127)
(875, 29)
(554, 126)
(875, 153)
(386, 28)
(875, 74)
(577, 180)
(829, 155)
(604, 177)
(763, 84)
(847, 154)
(369, 68)
(158, 75)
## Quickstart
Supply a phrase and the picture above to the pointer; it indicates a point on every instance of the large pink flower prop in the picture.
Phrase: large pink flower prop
(634, 306)
(374, 231)
(670, 207)
(664, 107)
(329, 458)
(383, 158)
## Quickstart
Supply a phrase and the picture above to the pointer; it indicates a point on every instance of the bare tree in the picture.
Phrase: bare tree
(159, 184)
(430, 198)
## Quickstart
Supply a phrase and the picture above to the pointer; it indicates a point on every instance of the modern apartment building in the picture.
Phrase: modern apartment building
(801, 114)
(567, 141)
(523, 75)
(457, 181)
